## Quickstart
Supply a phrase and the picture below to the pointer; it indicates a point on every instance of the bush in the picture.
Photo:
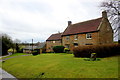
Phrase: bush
(35, 53)
(20, 50)
(66, 50)
(100, 50)
(70, 52)
(58, 49)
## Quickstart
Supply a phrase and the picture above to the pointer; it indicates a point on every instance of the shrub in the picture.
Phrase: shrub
(100, 50)
(35, 53)
(58, 49)
(20, 50)
(70, 52)
(66, 50)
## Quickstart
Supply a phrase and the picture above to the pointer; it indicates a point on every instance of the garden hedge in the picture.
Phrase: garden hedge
(100, 50)
(58, 49)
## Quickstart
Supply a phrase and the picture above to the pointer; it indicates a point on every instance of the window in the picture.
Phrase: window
(76, 44)
(88, 36)
(75, 37)
(67, 46)
(53, 41)
(67, 37)
(88, 44)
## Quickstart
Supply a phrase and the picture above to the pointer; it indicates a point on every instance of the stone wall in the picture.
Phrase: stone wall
(82, 40)
(51, 44)
(105, 33)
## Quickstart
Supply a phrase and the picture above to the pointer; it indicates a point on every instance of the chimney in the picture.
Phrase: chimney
(69, 23)
(104, 14)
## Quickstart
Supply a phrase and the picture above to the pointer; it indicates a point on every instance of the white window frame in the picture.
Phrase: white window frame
(88, 36)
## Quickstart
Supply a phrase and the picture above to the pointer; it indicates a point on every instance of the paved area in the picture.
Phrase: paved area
(5, 75)
(15, 56)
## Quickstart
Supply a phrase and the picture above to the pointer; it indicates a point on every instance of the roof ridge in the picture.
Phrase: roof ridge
(56, 36)
(57, 33)
(82, 27)
(86, 21)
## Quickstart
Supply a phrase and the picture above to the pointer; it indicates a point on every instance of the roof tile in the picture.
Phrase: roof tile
(82, 27)
(54, 37)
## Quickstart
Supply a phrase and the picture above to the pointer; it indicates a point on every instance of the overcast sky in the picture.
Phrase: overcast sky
(38, 19)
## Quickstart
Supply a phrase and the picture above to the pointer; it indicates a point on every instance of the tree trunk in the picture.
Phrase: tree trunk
(4, 53)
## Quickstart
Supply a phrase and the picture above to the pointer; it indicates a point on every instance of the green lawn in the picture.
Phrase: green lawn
(61, 66)
(15, 54)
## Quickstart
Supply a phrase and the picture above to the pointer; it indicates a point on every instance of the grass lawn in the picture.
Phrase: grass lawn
(15, 54)
(61, 66)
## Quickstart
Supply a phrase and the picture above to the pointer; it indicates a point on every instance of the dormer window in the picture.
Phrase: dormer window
(88, 36)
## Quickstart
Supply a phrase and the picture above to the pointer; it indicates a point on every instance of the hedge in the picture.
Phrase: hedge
(100, 50)
(58, 49)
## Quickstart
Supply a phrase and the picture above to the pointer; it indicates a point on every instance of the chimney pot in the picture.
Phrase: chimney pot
(69, 23)
(104, 14)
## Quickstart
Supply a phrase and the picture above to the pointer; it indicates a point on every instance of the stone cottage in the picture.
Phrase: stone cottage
(53, 40)
(92, 32)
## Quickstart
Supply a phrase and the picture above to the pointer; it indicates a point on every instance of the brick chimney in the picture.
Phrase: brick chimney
(104, 14)
(69, 23)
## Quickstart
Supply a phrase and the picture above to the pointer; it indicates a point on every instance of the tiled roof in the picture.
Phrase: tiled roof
(36, 46)
(83, 27)
(30, 47)
(41, 45)
(54, 37)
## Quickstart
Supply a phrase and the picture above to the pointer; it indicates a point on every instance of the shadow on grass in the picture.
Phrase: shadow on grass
(88, 59)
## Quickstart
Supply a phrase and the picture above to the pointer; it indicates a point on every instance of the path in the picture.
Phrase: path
(5, 75)
(15, 56)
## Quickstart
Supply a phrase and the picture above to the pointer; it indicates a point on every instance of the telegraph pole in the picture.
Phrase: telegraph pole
(119, 35)
(32, 45)
(1, 45)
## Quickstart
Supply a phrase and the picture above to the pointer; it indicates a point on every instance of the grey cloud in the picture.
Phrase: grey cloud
(26, 19)
(40, 7)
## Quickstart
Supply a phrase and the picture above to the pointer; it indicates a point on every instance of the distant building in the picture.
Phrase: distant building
(53, 40)
(28, 49)
(40, 47)
(92, 32)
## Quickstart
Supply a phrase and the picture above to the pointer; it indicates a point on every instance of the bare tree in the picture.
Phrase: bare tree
(17, 41)
(113, 9)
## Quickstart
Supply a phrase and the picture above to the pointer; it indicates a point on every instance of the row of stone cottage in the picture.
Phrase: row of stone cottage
(92, 32)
